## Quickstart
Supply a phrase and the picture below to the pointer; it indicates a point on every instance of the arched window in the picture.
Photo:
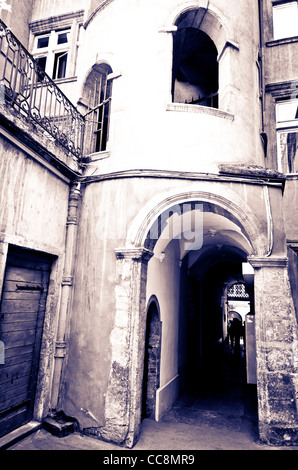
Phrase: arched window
(195, 65)
(96, 100)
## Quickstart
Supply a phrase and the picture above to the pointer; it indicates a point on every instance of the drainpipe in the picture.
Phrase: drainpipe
(262, 77)
(66, 287)
(270, 226)
(263, 134)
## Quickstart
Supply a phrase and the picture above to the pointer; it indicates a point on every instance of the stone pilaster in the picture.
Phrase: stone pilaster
(276, 332)
(123, 398)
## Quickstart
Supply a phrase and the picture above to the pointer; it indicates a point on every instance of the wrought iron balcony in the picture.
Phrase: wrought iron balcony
(27, 88)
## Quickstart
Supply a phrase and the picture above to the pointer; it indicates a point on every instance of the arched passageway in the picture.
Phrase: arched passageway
(198, 366)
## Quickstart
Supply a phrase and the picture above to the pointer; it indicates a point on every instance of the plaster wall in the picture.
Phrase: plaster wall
(33, 200)
(146, 130)
(290, 204)
(108, 211)
(281, 72)
(282, 63)
(44, 8)
(164, 281)
(281, 57)
(101, 376)
(280, 69)
(34, 204)
(18, 18)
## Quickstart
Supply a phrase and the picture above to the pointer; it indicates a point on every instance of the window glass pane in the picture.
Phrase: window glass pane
(60, 65)
(285, 20)
(42, 42)
(42, 62)
(287, 111)
(63, 37)
(287, 151)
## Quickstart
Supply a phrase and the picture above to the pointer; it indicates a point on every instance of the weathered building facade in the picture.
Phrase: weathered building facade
(148, 160)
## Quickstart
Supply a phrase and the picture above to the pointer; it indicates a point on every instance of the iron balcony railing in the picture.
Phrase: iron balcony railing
(26, 87)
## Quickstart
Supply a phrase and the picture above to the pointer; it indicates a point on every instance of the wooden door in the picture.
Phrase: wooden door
(22, 312)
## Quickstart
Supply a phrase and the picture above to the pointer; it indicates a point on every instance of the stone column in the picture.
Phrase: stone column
(276, 333)
(124, 393)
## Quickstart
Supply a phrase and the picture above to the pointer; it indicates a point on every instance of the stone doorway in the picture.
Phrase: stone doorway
(152, 360)
(22, 311)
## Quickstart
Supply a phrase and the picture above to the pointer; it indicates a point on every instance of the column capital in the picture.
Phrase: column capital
(268, 262)
(134, 253)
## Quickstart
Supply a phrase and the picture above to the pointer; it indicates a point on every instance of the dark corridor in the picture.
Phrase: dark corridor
(215, 389)
(226, 401)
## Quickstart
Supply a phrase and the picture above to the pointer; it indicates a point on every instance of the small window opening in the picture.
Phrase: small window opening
(97, 98)
(195, 68)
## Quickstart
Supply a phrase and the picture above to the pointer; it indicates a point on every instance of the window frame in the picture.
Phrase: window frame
(227, 48)
(53, 51)
(71, 22)
(277, 33)
(96, 100)
(285, 126)
(193, 93)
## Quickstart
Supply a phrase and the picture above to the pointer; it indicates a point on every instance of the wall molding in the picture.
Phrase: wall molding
(268, 262)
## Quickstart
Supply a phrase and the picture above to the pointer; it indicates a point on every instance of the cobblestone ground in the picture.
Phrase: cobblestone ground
(223, 416)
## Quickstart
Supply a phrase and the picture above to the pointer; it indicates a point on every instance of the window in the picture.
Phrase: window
(238, 291)
(60, 62)
(287, 135)
(285, 19)
(55, 41)
(51, 52)
(96, 100)
(195, 65)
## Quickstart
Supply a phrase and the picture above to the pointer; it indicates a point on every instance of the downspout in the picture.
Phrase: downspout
(261, 57)
(66, 288)
(262, 78)
(270, 226)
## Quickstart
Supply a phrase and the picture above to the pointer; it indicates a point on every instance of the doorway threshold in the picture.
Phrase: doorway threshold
(20, 433)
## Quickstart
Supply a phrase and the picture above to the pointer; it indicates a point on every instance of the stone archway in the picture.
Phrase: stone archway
(124, 394)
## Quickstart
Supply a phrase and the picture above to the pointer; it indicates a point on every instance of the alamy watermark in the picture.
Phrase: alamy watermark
(180, 222)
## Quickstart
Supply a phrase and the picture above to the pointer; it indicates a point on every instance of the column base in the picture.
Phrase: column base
(278, 436)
